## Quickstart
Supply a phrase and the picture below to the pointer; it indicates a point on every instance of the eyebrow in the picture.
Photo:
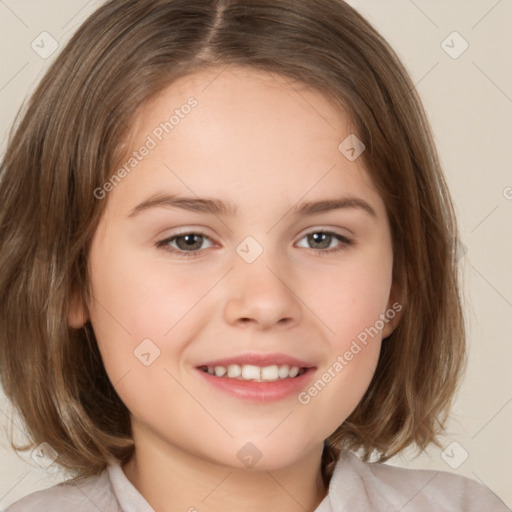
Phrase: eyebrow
(222, 208)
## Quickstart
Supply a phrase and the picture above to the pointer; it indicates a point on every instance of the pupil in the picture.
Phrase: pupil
(322, 237)
(190, 241)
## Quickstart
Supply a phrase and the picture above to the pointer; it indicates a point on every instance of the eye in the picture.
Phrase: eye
(186, 244)
(190, 244)
(321, 242)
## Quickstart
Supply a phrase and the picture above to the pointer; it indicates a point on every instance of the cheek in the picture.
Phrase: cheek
(147, 298)
(138, 300)
(351, 298)
(351, 302)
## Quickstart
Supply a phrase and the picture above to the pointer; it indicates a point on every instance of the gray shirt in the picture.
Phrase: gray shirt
(354, 487)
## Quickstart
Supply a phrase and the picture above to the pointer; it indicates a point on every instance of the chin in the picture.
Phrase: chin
(262, 454)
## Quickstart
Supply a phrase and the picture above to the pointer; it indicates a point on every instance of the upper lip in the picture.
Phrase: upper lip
(259, 360)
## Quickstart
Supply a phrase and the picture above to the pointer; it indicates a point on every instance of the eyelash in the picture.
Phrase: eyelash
(345, 243)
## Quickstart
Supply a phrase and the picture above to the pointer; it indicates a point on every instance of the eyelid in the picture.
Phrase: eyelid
(343, 232)
(315, 229)
(188, 230)
(164, 242)
(344, 241)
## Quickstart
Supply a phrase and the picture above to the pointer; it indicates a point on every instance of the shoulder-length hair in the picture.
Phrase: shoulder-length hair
(67, 143)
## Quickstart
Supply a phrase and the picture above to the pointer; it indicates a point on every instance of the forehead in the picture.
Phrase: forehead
(234, 104)
(248, 133)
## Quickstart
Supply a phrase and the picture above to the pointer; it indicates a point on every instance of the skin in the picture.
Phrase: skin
(266, 144)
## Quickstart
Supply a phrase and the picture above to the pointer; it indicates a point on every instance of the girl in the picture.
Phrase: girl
(228, 263)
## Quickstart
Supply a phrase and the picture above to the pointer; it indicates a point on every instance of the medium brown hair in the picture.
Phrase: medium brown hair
(66, 144)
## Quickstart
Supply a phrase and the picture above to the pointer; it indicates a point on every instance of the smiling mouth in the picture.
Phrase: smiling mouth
(248, 372)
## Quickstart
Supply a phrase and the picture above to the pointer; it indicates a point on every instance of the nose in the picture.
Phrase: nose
(261, 295)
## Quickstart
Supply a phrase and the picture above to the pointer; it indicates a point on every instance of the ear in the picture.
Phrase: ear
(77, 313)
(394, 311)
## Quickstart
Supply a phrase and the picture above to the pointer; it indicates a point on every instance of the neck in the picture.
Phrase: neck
(171, 480)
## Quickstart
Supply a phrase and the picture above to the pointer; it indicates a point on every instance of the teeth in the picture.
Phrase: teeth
(250, 372)
(270, 372)
(283, 371)
(234, 371)
(255, 373)
(220, 371)
(293, 371)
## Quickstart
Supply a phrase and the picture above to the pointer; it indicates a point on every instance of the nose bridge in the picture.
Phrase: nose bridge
(259, 289)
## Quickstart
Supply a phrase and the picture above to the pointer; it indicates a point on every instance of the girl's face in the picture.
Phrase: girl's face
(180, 281)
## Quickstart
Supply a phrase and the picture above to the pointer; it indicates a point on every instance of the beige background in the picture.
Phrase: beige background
(469, 101)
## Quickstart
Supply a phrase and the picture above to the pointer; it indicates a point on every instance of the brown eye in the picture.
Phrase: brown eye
(186, 244)
(321, 242)
(190, 242)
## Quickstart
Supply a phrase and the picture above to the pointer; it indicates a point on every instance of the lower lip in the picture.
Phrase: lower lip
(261, 392)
